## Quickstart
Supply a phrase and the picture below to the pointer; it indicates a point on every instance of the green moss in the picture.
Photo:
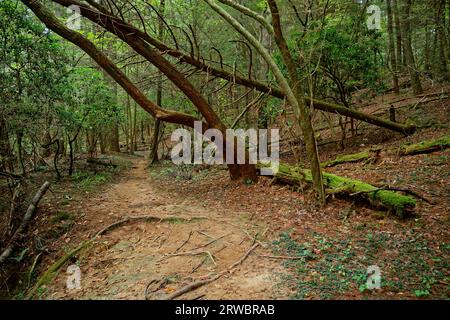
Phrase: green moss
(381, 198)
(356, 157)
(51, 272)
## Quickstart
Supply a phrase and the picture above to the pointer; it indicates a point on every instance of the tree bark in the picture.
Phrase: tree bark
(151, 55)
(398, 33)
(407, 47)
(391, 50)
(26, 219)
(303, 113)
(103, 14)
(440, 61)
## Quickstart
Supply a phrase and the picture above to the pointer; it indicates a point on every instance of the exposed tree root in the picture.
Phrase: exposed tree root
(280, 257)
(53, 270)
(197, 284)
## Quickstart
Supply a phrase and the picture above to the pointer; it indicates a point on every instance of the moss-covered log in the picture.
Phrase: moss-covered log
(390, 200)
(426, 146)
(356, 157)
(410, 150)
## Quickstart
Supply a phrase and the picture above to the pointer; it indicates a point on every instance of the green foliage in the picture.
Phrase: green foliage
(32, 67)
(87, 180)
(329, 265)
(347, 57)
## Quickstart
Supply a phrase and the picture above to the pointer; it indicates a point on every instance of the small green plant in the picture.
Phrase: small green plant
(421, 293)
(87, 180)
(61, 216)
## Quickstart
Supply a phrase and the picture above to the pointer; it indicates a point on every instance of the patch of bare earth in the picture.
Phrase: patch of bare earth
(123, 262)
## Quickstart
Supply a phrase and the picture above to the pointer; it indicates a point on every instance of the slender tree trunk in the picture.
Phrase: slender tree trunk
(301, 109)
(56, 157)
(20, 162)
(440, 60)
(398, 33)
(391, 51)
(114, 143)
(71, 156)
(5, 148)
(427, 52)
(407, 47)
(155, 140)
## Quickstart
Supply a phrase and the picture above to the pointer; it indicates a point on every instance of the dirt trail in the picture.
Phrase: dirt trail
(123, 262)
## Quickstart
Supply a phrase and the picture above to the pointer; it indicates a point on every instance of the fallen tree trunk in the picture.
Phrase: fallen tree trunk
(426, 146)
(392, 201)
(355, 157)
(365, 117)
(26, 219)
(101, 163)
(413, 149)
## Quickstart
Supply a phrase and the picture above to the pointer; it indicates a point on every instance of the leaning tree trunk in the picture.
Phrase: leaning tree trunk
(140, 46)
(297, 104)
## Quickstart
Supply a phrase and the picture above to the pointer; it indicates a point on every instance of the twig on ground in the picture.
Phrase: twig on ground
(199, 265)
(193, 253)
(280, 257)
(185, 242)
(213, 240)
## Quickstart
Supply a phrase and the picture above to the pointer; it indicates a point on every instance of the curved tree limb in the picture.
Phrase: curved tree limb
(118, 75)
(275, 91)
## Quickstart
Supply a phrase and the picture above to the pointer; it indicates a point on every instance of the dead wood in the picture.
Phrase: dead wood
(26, 219)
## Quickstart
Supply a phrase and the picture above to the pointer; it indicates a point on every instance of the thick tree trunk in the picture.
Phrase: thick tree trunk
(114, 144)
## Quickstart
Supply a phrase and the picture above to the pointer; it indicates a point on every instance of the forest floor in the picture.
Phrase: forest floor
(333, 245)
(123, 262)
